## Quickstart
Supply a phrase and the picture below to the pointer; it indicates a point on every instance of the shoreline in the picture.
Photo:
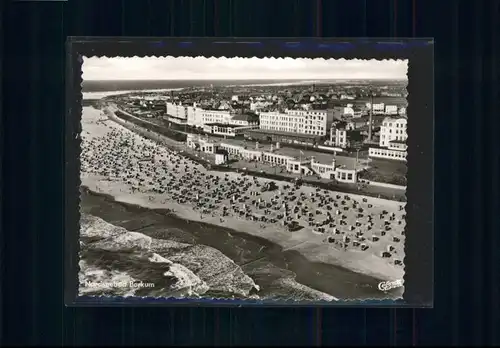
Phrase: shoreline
(307, 244)
(333, 280)
(105, 94)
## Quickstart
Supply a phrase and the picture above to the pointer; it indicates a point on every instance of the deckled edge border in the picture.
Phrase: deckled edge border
(263, 301)
(77, 48)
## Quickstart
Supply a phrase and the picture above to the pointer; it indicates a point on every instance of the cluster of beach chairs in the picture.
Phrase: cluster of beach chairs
(347, 223)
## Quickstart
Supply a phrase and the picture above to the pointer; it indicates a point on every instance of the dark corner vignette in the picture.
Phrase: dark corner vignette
(210, 142)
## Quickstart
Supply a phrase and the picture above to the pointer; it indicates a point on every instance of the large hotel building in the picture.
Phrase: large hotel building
(216, 122)
(309, 122)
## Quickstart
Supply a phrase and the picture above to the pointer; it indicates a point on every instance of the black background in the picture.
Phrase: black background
(419, 251)
(466, 122)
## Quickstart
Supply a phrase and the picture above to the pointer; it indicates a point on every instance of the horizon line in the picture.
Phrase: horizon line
(241, 79)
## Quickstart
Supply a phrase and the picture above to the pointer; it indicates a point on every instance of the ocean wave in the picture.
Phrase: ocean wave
(282, 284)
(113, 258)
(291, 289)
(96, 281)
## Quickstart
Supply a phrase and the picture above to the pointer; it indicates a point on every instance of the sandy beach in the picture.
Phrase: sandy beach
(314, 246)
(279, 275)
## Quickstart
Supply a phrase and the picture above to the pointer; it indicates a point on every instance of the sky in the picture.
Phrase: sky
(201, 68)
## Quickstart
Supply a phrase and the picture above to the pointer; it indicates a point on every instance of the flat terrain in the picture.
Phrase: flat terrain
(386, 171)
(135, 170)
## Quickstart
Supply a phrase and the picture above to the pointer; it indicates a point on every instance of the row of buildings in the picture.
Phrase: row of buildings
(391, 143)
(272, 155)
(356, 111)
(315, 123)
(218, 122)
(303, 126)
(309, 122)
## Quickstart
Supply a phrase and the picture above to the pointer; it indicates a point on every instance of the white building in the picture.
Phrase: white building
(176, 113)
(220, 158)
(346, 175)
(402, 111)
(332, 171)
(237, 151)
(259, 105)
(281, 122)
(194, 116)
(346, 96)
(393, 129)
(276, 158)
(349, 111)
(338, 137)
(378, 108)
(393, 138)
(225, 124)
(272, 156)
(215, 116)
(324, 170)
(228, 130)
(391, 109)
(243, 120)
(395, 151)
(184, 114)
(311, 122)
(201, 144)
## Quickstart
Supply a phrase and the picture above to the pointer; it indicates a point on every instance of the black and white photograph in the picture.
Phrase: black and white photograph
(268, 179)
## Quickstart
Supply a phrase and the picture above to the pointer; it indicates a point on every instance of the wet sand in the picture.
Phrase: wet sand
(265, 262)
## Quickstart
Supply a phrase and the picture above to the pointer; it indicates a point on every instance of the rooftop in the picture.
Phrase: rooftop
(209, 108)
(375, 146)
(347, 162)
(290, 134)
(395, 117)
(339, 125)
(245, 117)
(305, 154)
(221, 125)
(323, 158)
(366, 118)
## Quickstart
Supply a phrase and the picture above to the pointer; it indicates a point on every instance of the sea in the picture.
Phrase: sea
(122, 85)
(119, 85)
